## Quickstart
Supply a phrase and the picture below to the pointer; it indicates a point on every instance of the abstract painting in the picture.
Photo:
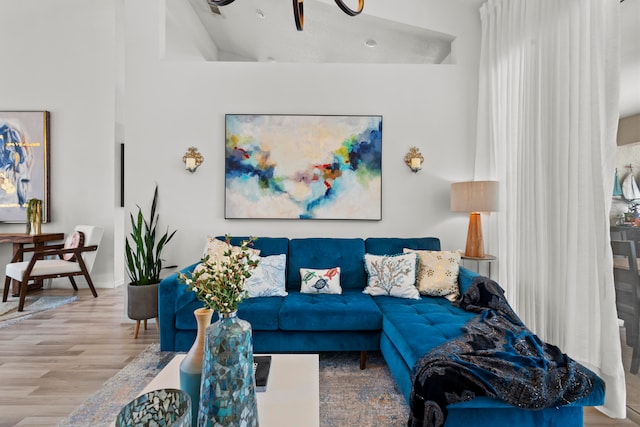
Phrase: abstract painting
(24, 163)
(303, 167)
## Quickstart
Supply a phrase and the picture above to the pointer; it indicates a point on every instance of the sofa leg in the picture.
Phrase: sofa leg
(363, 359)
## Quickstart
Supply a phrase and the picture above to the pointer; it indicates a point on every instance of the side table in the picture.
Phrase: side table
(19, 240)
(487, 259)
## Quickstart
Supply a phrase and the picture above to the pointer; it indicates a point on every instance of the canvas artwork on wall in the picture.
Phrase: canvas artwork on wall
(24, 163)
(303, 167)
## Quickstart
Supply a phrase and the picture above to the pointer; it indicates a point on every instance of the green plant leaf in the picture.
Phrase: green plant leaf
(144, 264)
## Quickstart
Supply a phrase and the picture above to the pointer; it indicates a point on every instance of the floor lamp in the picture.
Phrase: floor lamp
(474, 197)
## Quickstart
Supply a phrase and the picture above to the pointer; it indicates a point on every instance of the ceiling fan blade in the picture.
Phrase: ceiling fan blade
(348, 10)
(298, 14)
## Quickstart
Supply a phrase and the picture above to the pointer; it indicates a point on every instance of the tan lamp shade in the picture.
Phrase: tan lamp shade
(474, 197)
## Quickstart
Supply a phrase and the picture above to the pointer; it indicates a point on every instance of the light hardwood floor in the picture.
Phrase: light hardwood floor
(51, 362)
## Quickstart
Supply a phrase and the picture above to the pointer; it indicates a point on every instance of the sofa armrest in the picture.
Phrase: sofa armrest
(465, 277)
(167, 297)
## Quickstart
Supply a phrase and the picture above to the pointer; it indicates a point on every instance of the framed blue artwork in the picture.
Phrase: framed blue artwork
(24, 163)
(303, 166)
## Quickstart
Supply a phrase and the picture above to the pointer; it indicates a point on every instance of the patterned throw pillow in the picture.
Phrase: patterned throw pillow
(438, 273)
(217, 248)
(268, 279)
(320, 281)
(74, 240)
(393, 275)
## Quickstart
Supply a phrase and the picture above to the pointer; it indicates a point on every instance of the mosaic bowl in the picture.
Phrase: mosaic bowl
(167, 407)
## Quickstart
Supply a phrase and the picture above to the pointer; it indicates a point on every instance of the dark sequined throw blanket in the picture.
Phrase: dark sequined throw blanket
(497, 357)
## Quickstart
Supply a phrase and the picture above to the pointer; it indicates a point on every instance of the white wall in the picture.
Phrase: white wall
(59, 56)
(174, 103)
(66, 57)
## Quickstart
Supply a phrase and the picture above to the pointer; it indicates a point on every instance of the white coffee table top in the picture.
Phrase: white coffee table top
(292, 396)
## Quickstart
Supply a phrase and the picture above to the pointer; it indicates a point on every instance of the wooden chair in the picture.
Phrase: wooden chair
(627, 285)
(630, 233)
(53, 261)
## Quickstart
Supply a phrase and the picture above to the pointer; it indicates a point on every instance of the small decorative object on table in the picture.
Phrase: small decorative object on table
(165, 407)
(261, 368)
(227, 393)
(34, 217)
(191, 365)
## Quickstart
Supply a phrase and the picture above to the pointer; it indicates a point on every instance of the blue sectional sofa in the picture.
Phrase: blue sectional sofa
(402, 329)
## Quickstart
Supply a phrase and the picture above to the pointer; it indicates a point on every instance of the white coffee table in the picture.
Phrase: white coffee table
(292, 396)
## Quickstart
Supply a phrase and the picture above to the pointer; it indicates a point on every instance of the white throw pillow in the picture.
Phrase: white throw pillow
(268, 279)
(217, 248)
(393, 275)
(314, 281)
(438, 273)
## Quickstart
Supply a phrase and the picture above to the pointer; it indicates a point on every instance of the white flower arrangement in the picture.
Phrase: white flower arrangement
(219, 281)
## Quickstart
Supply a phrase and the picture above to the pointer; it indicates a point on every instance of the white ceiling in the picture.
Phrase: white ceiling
(330, 35)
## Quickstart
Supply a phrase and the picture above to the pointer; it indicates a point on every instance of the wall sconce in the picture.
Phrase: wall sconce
(192, 159)
(414, 159)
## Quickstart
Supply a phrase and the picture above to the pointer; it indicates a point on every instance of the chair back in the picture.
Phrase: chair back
(627, 280)
(631, 233)
(92, 236)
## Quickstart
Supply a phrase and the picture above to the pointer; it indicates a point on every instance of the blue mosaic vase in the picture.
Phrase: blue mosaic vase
(227, 392)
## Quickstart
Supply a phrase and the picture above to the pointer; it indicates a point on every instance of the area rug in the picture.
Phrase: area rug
(353, 397)
(9, 313)
(348, 396)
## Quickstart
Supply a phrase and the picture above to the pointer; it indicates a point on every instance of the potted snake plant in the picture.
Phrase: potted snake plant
(144, 263)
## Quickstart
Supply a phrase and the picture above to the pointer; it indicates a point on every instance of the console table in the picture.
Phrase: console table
(19, 240)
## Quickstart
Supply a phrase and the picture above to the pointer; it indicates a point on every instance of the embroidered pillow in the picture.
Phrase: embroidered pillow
(268, 278)
(438, 273)
(217, 248)
(74, 240)
(320, 281)
(393, 275)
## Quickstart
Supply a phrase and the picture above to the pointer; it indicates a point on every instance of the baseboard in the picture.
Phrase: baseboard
(632, 415)
(63, 283)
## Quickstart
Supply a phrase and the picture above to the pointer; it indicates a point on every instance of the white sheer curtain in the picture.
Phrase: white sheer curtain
(547, 121)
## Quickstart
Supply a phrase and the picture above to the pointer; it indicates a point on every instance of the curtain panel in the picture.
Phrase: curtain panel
(547, 121)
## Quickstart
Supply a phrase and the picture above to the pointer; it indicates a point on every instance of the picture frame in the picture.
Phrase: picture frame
(295, 166)
(24, 163)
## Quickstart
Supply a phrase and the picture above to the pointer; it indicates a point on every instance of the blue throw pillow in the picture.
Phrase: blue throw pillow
(268, 279)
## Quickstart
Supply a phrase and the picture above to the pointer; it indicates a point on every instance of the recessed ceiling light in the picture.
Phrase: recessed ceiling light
(371, 43)
(259, 13)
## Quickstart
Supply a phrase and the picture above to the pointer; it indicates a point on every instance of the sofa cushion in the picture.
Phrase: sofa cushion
(437, 273)
(351, 311)
(217, 248)
(395, 245)
(393, 275)
(322, 253)
(417, 326)
(268, 278)
(262, 313)
(326, 281)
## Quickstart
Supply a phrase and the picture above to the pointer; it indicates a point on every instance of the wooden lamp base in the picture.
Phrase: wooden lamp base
(475, 242)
